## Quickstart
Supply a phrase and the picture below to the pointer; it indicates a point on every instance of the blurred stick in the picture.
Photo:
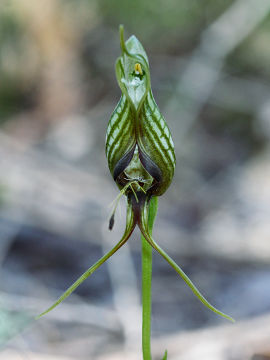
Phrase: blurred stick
(203, 70)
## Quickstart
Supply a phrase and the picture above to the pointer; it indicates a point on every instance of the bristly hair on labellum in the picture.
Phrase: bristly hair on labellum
(140, 154)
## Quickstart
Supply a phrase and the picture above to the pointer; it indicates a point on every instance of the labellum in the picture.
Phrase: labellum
(140, 154)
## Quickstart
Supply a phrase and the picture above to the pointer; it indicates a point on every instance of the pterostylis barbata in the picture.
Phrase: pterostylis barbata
(141, 159)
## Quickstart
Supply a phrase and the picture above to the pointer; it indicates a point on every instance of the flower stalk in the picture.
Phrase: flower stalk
(147, 282)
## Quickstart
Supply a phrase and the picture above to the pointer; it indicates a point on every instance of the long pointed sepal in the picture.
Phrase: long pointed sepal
(130, 225)
(144, 229)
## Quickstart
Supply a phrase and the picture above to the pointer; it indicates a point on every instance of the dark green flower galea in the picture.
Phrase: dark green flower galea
(140, 154)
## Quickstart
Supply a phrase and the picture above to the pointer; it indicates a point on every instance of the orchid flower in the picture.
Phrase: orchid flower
(141, 159)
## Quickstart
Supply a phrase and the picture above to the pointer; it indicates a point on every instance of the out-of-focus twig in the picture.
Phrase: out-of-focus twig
(203, 70)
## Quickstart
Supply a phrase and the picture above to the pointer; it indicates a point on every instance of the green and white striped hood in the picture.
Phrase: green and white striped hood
(139, 145)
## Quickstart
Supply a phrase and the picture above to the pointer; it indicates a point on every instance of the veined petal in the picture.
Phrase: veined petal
(155, 143)
(120, 137)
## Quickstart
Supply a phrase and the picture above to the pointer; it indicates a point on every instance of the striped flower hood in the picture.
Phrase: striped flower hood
(139, 146)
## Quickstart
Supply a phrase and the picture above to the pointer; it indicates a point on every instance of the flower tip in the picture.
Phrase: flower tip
(39, 316)
(121, 28)
(122, 40)
(111, 222)
(226, 316)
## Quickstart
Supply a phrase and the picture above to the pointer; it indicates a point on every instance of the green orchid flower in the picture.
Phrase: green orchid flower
(139, 146)
(141, 159)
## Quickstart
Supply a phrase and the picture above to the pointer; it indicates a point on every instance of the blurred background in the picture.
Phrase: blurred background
(210, 75)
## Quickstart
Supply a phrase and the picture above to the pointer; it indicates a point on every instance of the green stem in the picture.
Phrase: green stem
(146, 282)
(146, 298)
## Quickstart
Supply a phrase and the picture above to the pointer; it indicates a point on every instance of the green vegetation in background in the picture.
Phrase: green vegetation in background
(163, 22)
(14, 92)
(252, 57)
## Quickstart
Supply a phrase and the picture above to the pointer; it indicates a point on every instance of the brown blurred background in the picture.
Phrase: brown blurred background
(211, 78)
